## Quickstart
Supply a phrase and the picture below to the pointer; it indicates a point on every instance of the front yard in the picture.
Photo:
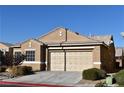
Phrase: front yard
(88, 78)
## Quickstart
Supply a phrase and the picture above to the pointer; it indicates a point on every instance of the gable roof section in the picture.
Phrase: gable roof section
(7, 44)
(52, 31)
(69, 36)
(82, 38)
(19, 45)
(107, 39)
(32, 40)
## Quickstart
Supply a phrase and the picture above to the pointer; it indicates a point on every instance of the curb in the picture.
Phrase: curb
(31, 84)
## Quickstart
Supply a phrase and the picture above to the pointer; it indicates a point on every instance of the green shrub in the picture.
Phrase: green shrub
(94, 74)
(100, 84)
(2, 69)
(20, 70)
(119, 77)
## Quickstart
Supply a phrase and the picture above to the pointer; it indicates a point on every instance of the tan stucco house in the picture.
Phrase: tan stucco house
(64, 50)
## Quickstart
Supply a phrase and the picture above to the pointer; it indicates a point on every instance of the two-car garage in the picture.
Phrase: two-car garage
(70, 60)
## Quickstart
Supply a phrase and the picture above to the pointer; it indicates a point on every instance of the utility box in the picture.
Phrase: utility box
(109, 80)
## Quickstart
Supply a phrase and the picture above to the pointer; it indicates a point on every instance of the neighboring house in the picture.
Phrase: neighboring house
(1, 54)
(6, 49)
(119, 55)
(64, 50)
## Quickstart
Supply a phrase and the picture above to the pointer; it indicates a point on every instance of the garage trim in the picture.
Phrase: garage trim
(64, 51)
(71, 47)
(96, 62)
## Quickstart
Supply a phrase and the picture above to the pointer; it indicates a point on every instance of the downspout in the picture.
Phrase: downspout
(66, 34)
(65, 50)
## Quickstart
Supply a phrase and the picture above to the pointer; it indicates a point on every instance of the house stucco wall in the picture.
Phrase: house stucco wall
(34, 46)
(39, 53)
(97, 57)
(107, 58)
(103, 55)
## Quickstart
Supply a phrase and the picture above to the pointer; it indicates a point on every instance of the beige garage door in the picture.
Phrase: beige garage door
(57, 61)
(78, 61)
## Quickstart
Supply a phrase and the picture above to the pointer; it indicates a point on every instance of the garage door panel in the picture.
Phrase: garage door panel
(57, 61)
(75, 61)
(78, 61)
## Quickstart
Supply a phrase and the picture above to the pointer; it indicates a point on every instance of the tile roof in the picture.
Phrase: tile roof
(33, 40)
(72, 32)
(51, 31)
(7, 44)
(107, 39)
(19, 44)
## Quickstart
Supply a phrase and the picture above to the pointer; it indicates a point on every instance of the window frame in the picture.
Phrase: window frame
(30, 55)
(16, 53)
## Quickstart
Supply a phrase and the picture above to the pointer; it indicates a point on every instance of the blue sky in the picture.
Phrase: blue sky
(19, 23)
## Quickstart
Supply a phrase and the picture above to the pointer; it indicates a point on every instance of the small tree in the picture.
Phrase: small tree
(10, 60)
(18, 59)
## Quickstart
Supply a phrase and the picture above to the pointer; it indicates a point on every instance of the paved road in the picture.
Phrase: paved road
(50, 77)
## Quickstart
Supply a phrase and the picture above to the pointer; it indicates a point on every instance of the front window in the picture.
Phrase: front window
(17, 54)
(30, 55)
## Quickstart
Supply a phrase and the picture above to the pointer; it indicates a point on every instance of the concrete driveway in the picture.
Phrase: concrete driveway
(50, 77)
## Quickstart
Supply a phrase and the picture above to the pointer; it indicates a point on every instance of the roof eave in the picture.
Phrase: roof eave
(16, 46)
(74, 44)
